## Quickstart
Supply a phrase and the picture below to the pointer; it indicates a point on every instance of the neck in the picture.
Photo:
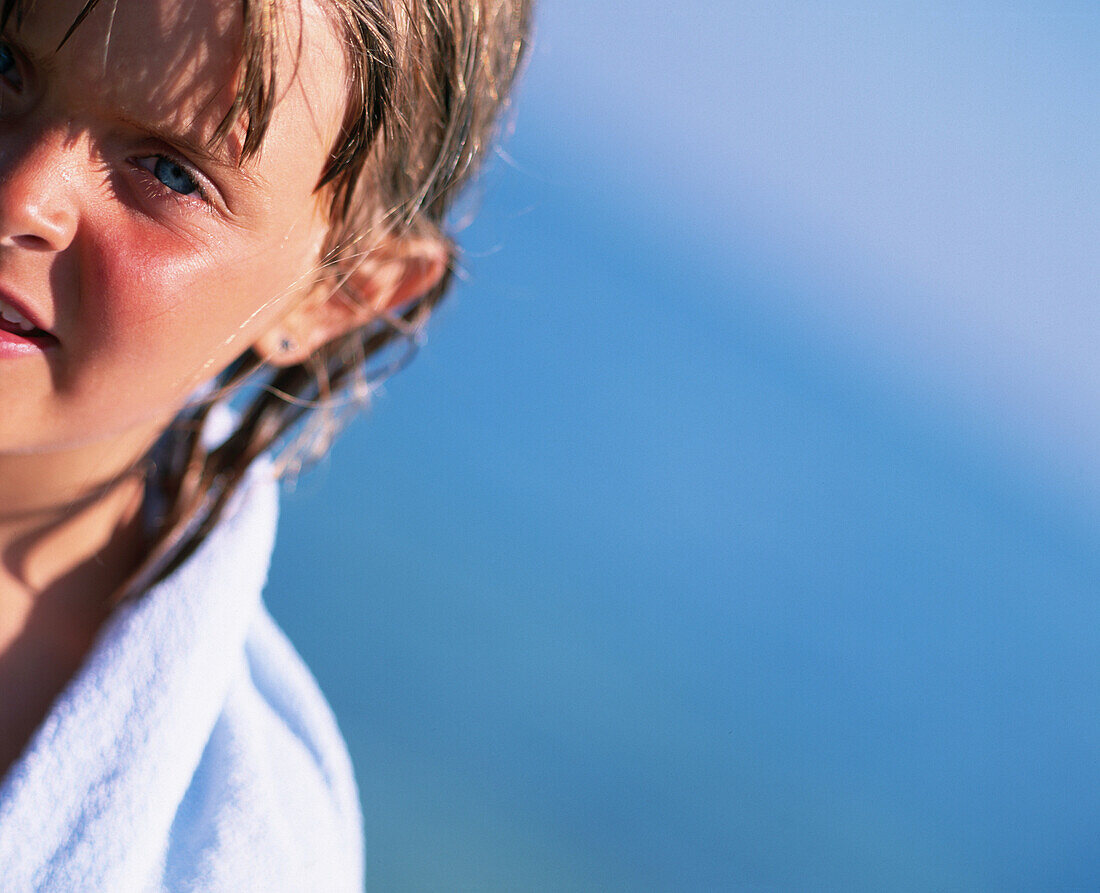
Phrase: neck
(69, 534)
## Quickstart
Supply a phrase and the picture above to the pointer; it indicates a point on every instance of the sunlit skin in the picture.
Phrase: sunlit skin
(151, 266)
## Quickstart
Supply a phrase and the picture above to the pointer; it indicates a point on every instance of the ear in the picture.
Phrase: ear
(394, 274)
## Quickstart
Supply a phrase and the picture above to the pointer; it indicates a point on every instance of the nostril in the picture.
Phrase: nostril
(27, 224)
(30, 242)
(37, 202)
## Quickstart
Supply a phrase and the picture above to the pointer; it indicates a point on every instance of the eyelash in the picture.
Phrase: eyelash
(13, 59)
(162, 189)
(158, 188)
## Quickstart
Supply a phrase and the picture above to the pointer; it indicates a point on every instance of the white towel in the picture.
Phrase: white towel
(193, 749)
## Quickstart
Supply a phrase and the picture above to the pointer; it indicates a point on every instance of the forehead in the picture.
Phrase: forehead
(178, 65)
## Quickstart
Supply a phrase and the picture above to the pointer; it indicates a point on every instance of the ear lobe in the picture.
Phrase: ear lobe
(388, 279)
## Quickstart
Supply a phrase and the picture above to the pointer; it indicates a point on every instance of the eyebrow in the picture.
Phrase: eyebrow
(225, 152)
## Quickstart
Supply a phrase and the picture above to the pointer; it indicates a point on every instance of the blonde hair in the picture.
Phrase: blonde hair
(428, 81)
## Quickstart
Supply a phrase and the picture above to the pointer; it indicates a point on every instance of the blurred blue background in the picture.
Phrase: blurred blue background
(737, 528)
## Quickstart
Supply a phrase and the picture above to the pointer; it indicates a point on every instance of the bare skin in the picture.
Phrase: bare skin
(150, 266)
(150, 261)
(59, 567)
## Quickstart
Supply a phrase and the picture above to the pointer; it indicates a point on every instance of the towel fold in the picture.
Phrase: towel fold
(193, 749)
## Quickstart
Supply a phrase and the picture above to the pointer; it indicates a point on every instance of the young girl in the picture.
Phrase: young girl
(201, 202)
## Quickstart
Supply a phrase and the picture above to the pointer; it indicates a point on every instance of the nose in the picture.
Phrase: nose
(37, 202)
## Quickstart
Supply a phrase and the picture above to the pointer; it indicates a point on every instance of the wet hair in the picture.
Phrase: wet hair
(428, 81)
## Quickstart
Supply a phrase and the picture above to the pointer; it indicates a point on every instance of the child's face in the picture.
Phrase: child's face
(150, 266)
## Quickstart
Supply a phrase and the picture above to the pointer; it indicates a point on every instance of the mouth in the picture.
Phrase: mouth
(17, 326)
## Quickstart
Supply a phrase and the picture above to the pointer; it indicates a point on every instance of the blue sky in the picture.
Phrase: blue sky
(736, 527)
(933, 168)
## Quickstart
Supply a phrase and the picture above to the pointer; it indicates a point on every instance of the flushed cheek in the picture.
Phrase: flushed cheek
(132, 274)
(160, 289)
(156, 321)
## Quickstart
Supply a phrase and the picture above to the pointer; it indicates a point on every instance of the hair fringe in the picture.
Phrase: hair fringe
(428, 81)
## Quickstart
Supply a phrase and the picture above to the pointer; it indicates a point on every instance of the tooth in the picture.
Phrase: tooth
(15, 317)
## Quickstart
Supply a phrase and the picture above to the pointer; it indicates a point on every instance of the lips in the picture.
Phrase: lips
(16, 322)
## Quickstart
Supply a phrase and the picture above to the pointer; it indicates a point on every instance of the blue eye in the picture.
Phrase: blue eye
(174, 176)
(9, 71)
(178, 176)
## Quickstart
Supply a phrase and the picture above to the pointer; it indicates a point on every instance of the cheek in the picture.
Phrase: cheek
(159, 315)
(209, 298)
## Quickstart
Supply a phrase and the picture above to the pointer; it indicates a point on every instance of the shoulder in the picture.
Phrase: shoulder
(192, 750)
(272, 804)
